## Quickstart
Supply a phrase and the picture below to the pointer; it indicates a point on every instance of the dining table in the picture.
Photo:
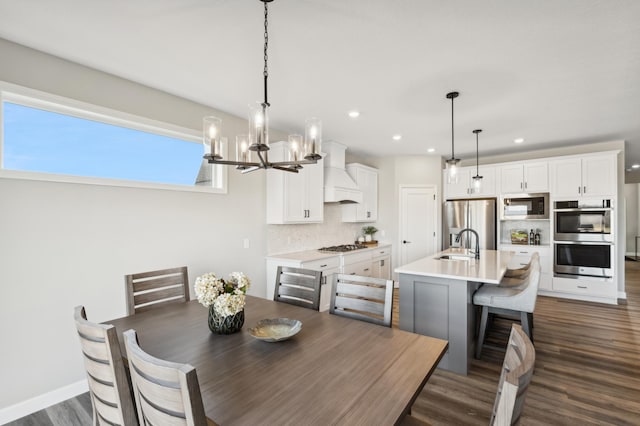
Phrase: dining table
(335, 370)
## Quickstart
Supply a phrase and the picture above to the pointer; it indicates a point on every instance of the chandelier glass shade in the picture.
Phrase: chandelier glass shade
(251, 149)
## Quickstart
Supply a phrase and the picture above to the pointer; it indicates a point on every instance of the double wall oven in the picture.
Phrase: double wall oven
(583, 239)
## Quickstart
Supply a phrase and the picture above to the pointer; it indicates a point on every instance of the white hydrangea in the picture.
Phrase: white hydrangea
(240, 281)
(229, 304)
(227, 297)
(208, 287)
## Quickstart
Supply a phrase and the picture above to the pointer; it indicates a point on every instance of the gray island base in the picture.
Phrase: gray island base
(436, 299)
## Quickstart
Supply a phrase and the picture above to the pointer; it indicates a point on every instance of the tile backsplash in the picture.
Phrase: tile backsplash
(290, 238)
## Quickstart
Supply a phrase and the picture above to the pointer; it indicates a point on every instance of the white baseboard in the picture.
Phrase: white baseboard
(24, 408)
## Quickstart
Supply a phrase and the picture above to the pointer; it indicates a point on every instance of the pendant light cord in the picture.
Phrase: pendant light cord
(477, 157)
(452, 138)
(265, 73)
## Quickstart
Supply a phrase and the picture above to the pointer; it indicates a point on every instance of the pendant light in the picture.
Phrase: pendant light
(301, 151)
(477, 179)
(452, 163)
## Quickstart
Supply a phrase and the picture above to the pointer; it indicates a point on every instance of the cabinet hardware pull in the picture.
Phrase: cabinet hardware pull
(525, 185)
(523, 264)
(405, 242)
(579, 192)
(520, 185)
(524, 252)
(382, 262)
(353, 273)
(323, 266)
(584, 189)
(582, 286)
(366, 269)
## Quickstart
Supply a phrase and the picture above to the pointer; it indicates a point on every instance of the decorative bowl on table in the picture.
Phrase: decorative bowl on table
(275, 329)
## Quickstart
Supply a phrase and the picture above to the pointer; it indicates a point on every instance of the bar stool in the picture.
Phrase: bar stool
(517, 303)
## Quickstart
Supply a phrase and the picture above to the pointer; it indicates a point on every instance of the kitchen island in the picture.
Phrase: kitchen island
(436, 298)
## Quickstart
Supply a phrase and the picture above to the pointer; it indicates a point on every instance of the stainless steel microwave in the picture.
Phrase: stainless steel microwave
(525, 206)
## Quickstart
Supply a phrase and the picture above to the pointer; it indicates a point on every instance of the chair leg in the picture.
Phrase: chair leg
(482, 331)
(526, 325)
(531, 320)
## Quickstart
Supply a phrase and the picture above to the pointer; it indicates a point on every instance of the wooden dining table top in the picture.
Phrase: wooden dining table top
(336, 370)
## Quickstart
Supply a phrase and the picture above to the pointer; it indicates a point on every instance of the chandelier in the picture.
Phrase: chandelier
(252, 148)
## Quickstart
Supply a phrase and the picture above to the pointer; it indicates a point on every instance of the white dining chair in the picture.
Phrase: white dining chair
(106, 373)
(166, 393)
(517, 303)
(363, 298)
(515, 376)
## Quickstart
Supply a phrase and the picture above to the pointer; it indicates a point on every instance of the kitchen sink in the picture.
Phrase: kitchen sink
(454, 257)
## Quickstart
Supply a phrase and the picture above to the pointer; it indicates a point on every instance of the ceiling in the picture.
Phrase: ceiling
(554, 72)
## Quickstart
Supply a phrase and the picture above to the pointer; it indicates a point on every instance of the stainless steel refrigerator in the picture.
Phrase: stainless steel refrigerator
(479, 215)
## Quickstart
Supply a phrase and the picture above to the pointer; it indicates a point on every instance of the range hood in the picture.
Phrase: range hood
(338, 185)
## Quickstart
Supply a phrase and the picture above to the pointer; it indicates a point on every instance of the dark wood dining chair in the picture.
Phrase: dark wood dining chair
(363, 298)
(106, 373)
(515, 376)
(166, 393)
(154, 289)
(298, 286)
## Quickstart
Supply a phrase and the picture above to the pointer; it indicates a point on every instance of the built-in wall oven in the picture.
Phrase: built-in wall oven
(583, 238)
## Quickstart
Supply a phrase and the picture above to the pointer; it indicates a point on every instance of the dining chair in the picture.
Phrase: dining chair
(298, 286)
(106, 373)
(166, 393)
(516, 303)
(154, 289)
(363, 298)
(515, 376)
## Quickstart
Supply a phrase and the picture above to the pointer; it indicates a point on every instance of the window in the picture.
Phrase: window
(66, 140)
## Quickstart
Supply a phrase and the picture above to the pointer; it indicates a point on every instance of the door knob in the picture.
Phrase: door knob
(405, 242)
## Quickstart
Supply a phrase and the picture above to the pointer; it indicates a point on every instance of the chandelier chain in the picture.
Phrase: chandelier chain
(265, 73)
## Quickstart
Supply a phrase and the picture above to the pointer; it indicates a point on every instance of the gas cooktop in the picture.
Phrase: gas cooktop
(342, 248)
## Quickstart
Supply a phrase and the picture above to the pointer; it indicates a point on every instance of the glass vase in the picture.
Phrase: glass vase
(225, 324)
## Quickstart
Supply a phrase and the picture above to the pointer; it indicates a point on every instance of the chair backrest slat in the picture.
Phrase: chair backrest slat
(363, 298)
(515, 377)
(166, 393)
(298, 286)
(154, 289)
(106, 375)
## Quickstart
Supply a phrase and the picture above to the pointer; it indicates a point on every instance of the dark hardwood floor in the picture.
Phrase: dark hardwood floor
(587, 371)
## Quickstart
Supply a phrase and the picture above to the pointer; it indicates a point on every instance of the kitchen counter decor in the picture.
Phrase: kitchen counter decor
(275, 329)
(225, 300)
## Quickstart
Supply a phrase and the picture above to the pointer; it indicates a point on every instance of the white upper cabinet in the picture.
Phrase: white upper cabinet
(294, 197)
(524, 177)
(588, 176)
(464, 187)
(367, 180)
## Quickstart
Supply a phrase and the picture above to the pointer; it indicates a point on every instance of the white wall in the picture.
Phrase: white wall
(64, 244)
(631, 195)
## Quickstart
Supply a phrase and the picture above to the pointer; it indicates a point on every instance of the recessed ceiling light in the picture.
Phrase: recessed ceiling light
(431, 150)
(518, 140)
(635, 166)
(397, 137)
(354, 114)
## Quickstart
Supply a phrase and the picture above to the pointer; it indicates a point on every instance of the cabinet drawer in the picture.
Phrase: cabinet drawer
(586, 287)
(322, 264)
(351, 258)
(360, 268)
(381, 252)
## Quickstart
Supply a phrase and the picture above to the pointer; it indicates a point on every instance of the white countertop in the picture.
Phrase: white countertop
(310, 255)
(490, 268)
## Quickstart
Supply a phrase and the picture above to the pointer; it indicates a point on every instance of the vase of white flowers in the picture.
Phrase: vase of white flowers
(225, 300)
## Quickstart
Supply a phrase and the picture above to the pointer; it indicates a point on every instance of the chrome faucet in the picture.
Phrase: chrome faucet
(459, 237)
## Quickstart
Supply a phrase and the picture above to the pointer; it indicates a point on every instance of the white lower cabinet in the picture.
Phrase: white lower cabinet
(585, 287)
(374, 262)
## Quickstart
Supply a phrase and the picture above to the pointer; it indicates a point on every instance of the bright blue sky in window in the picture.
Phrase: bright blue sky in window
(44, 141)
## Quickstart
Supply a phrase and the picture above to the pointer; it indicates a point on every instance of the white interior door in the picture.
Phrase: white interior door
(418, 220)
